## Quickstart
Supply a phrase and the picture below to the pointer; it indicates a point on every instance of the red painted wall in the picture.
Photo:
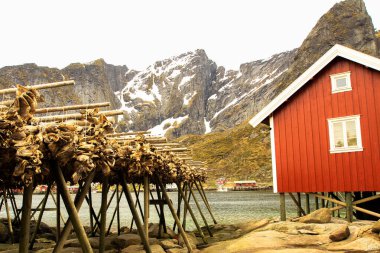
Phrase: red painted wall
(303, 159)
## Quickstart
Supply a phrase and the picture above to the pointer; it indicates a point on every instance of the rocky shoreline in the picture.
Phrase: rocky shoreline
(316, 232)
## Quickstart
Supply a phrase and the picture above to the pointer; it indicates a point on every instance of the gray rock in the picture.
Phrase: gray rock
(376, 227)
(322, 215)
(123, 241)
(170, 244)
(340, 234)
(4, 233)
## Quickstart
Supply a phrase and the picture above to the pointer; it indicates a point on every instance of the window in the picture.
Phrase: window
(340, 82)
(345, 135)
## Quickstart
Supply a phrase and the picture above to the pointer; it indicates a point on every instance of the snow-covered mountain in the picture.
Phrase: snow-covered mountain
(189, 93)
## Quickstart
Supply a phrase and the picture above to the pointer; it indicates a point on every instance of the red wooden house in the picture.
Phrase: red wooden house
(325, 127)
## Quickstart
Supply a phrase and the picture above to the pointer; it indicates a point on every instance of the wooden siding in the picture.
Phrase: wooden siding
(303, 159)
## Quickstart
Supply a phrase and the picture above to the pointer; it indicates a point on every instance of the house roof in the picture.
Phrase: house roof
(335, 51)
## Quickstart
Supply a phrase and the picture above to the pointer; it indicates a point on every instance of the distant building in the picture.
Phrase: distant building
(325, 131)
(244, 185)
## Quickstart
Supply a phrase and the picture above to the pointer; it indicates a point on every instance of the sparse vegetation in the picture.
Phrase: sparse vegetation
(239, 153)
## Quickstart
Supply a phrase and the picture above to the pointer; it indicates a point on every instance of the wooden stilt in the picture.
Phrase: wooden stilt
(93, 215)
(203, 195)
(282, 207)
(135, 215)
(184, 197)
(14, 206)
(114, 214)
(146, 206)
(103, 221)
(172, 210)
(118, 208)
(178, 207)
(349, 209)
(89, 210)
(200, 211)
(323, 200)
(58, 221)
(97, 225)
(10, 227)
(137, 202)
(72, 211)
(32, 240)
(162, 213)
(307, 200)
(299, 202)
(193, 216)
(25, 218)
(316, 203)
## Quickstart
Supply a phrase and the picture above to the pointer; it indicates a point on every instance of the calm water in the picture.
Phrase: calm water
(228, 207)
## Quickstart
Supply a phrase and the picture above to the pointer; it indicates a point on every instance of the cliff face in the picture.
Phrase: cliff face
(95, 82)
(191, 94)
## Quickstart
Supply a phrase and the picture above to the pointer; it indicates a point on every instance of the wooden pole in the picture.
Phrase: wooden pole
(316, 203)
(299, 208)
(176, 219)
(71, 107)
(114, 214)
(90, 209)
(349, 209)
(93, 215)
(103, 221)
(323, 200)
(282, 207)
(32, 240)
(307, 203)
(200, 211)
(118, 208)
(10, 227)
(203, 195)
(162, 213)
(40, 86)
(25, 218)
(60, 118)
(146, 206)
(193, 216)
(178, 207)
(137, 202)
(184, 206)
(299, 202)
(128, 133)
(139, 225)
(58, 204)
(73, 214)
(108, 205)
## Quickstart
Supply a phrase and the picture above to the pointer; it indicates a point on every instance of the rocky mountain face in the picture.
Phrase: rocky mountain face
(191, 94)
(95, 82)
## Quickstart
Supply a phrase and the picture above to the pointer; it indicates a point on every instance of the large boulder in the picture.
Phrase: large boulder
(123, 241)
(140, 249)
(322, 215)
(169, 244)
(376, 227)
(340, 234)
(4, 233)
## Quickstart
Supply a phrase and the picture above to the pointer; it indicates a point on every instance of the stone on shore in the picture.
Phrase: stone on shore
(340, 234)
(322, 215)
(140, 249)
(376, 227)
(123, 241)
(4, 233)
(169, 244)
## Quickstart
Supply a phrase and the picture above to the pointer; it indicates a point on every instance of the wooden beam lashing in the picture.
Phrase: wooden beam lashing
(75, 116)
(40, 86)
(71, 107)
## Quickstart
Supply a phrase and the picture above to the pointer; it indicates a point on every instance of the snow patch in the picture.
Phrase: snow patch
(233, 102)
(159, 129)
(188, 97)
(207, 126)
(185, 80)
(214, 96)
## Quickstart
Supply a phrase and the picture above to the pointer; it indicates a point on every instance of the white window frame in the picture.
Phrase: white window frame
(346, 148)
(334, 77)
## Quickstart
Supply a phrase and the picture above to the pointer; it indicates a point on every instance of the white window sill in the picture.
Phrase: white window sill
(341, 90)
(346, 150)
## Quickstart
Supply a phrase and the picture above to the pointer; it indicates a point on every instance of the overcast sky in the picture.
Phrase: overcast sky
(137, 33)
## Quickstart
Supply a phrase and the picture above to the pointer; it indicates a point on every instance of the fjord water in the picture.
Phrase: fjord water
(228, 208)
